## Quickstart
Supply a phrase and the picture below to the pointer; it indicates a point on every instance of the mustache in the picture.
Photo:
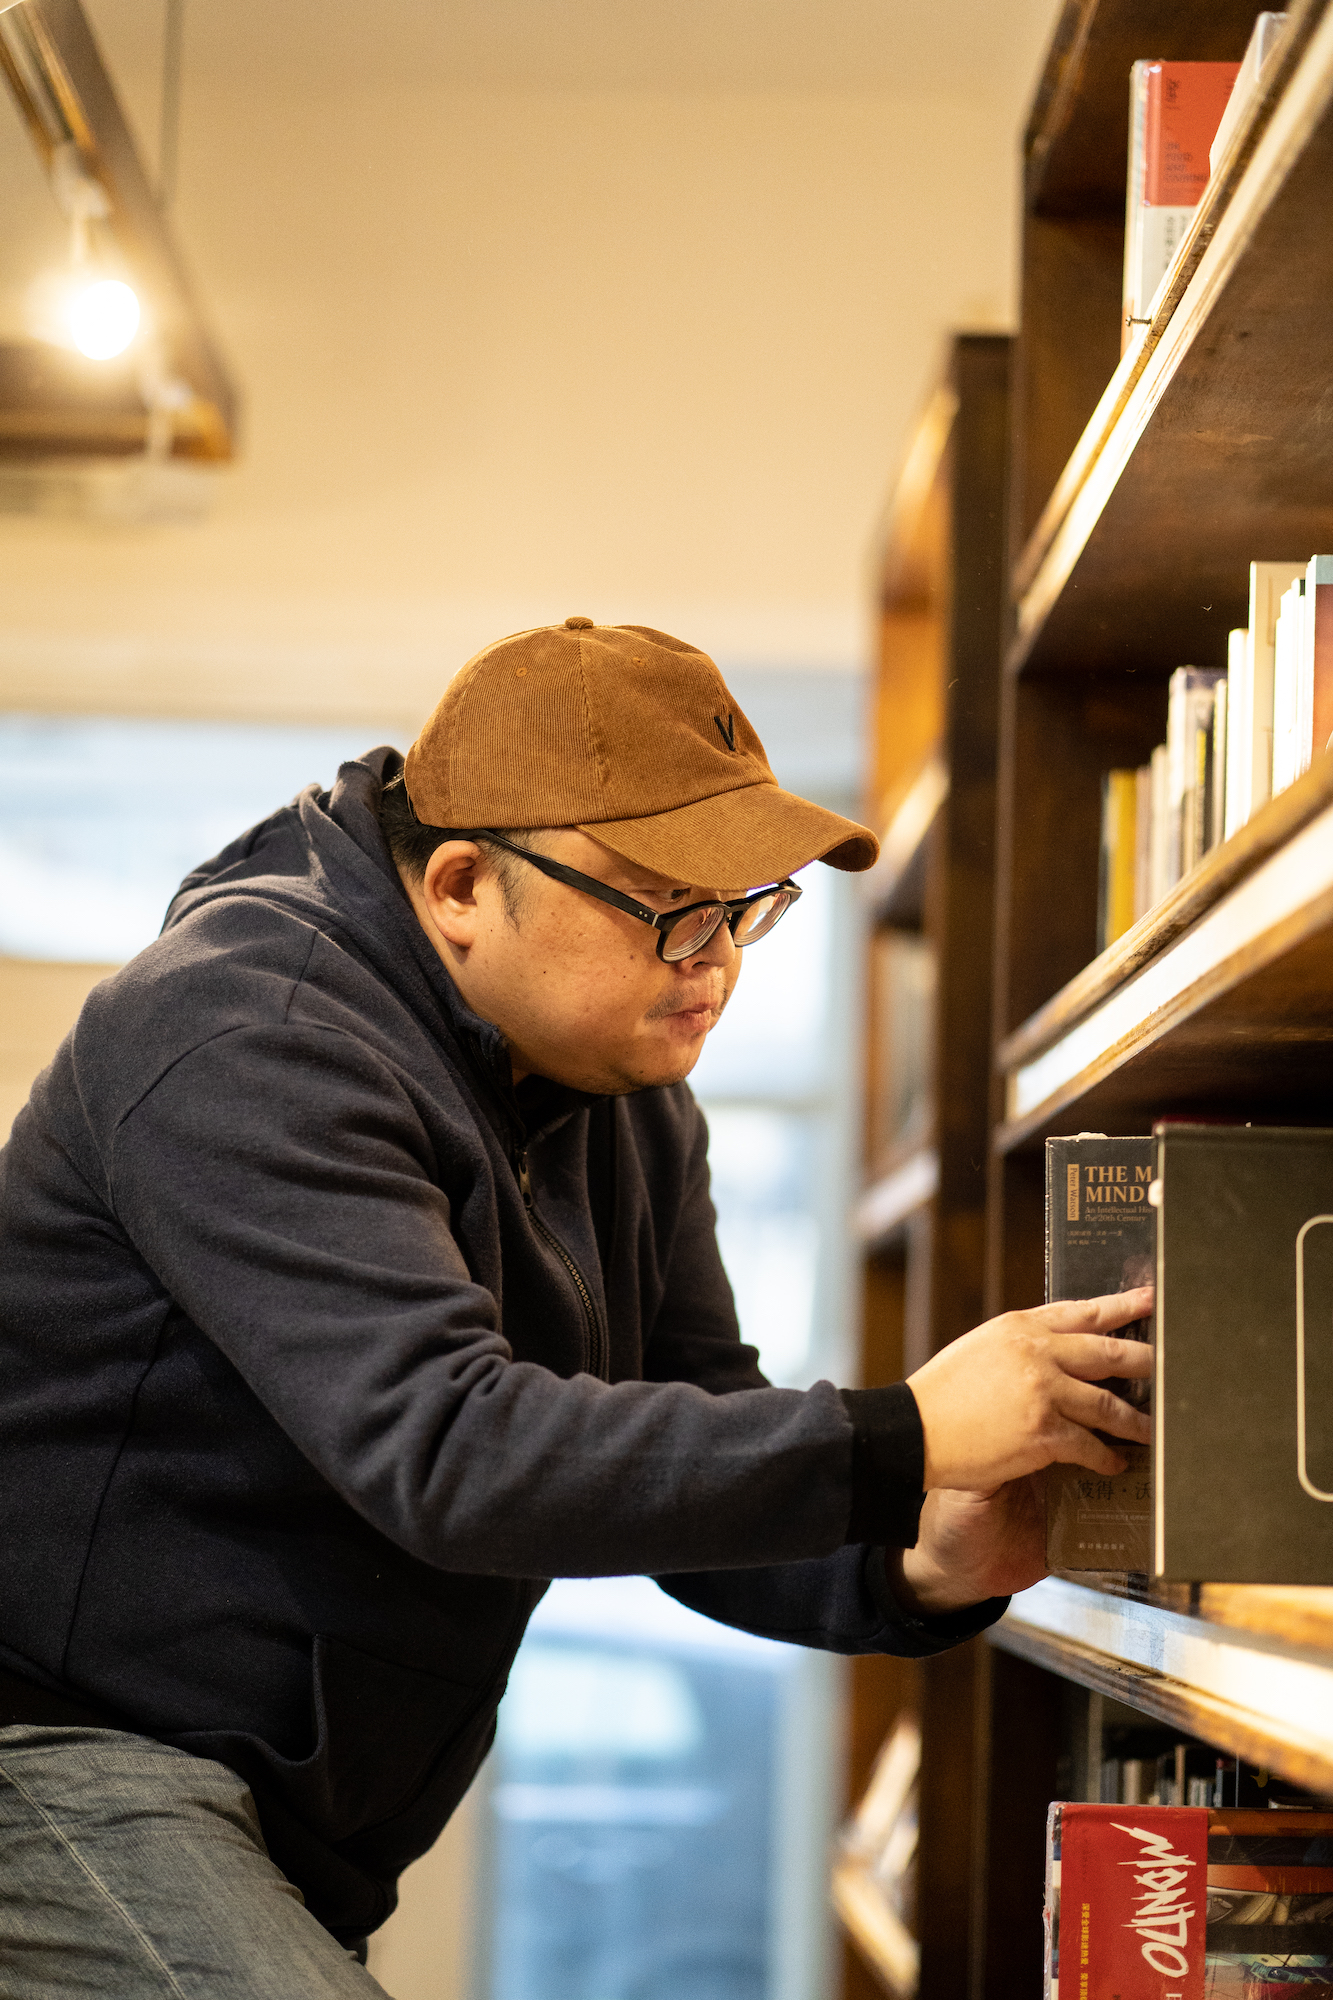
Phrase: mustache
(712, 997)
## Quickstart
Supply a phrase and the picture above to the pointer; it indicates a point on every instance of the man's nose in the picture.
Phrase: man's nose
(720, 949)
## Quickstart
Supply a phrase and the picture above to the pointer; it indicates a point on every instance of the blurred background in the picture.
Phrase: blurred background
(532, 308)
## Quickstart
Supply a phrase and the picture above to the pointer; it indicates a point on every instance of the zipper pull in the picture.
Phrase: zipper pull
(524, 1182)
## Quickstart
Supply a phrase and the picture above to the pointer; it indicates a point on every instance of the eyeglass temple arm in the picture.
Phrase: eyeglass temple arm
(571, 877)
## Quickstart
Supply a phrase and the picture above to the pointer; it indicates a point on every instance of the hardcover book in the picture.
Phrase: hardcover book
(1175, 110)
(1180, 1903)
(1101, 1233)
(1243, 1416)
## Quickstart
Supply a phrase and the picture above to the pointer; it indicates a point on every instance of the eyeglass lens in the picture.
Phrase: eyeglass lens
(752, 923)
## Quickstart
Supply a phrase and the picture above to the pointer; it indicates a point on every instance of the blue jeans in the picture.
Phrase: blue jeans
(127, 1868)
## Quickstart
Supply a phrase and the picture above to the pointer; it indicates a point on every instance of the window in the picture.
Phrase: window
(101, 817)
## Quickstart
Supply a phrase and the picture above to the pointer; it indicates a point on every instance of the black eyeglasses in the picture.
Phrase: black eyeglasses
(748, 917)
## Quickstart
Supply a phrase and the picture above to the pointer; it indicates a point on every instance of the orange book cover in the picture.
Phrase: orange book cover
(1184, 109)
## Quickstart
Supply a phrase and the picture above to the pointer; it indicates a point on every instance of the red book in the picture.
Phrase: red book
(1175, 109)
(1182, 1903)
(1185, 102)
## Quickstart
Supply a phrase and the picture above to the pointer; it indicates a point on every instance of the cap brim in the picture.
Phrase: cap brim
(739, 840)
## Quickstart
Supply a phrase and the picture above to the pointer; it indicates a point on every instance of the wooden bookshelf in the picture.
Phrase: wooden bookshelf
(1143, 484)
(939, 573)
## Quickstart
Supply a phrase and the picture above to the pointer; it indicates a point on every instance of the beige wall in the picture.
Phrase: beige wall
(509, 353)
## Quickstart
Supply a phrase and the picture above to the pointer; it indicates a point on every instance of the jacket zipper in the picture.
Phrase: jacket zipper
(596, 1357)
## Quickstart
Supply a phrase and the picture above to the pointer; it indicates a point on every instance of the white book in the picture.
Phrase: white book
(1240, 727)
(1286, 686)
(1268, 580)
(1314, 672)
(1253, 63)
(1189, 722)
(1158, 882)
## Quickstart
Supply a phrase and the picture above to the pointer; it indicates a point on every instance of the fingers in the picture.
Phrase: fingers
(1101, 1315)
(1098, 1409)
(1076, 1446)
(1091, 1357)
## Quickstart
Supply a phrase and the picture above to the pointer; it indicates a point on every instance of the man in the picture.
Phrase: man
(359, 1276)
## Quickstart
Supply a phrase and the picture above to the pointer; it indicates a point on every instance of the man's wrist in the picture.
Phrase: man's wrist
(923, 1587)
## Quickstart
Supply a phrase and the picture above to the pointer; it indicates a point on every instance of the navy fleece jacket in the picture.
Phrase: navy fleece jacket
(301, 1404)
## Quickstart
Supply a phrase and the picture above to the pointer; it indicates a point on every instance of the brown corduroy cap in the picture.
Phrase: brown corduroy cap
(630, 736)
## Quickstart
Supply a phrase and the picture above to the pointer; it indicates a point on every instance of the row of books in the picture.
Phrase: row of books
(1138, 1773)
(1232, 1224)
(1185, 1902)
(1234, 739)
(1182, 115)
(1162, 1781)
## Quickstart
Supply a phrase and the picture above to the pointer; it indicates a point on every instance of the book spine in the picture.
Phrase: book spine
(1268, 580)
(1142, 841)
(1217, 765)
(1239, 759)
(1286, 687)
(1115, 908)
(1159, 858)
(1177, 773)
(1181, 107)
(1261, 45)
(1319, 642)
(1138, 103)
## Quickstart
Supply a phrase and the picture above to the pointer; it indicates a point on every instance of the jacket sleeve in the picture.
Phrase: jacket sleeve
(279, 1182)
(841, 1602)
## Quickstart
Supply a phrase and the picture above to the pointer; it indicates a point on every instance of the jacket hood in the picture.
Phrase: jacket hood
(324, 860)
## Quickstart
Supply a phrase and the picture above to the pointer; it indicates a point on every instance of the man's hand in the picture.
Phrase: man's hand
(1019, 1393)
(971, 1547)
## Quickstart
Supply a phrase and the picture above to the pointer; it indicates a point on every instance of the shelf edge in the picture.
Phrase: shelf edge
(1218, 873)
(1283, 1743)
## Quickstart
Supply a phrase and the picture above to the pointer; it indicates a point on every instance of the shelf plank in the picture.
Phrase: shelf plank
(1253, 1694)
(1233, 1014)
(879, 1934)
(1270, 828)
(1149, 564)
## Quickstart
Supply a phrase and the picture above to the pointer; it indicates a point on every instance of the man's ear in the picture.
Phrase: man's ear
(449, 891)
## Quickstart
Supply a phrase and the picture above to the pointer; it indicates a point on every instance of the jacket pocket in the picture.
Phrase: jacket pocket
(380, 1728)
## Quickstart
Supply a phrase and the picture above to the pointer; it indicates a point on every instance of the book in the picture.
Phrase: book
(1240, 725)
(1217, 765)
(1258, 53)
(1143, 797)
(1101, 1235)
(1159, 874)
(1268, 581)
(1115, 890)
(1287, 637)
(1175, 109)
(1181, 1902)
(1243, 1395)
(1315, 723)
(1189, 742)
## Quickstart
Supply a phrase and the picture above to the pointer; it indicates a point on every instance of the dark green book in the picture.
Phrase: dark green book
(1244, 1388)
(1101, 1236)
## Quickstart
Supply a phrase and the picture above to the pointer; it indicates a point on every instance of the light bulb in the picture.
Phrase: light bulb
(103, 318)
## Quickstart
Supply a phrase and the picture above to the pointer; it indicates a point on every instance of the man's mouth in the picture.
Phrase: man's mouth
(700, 1014)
